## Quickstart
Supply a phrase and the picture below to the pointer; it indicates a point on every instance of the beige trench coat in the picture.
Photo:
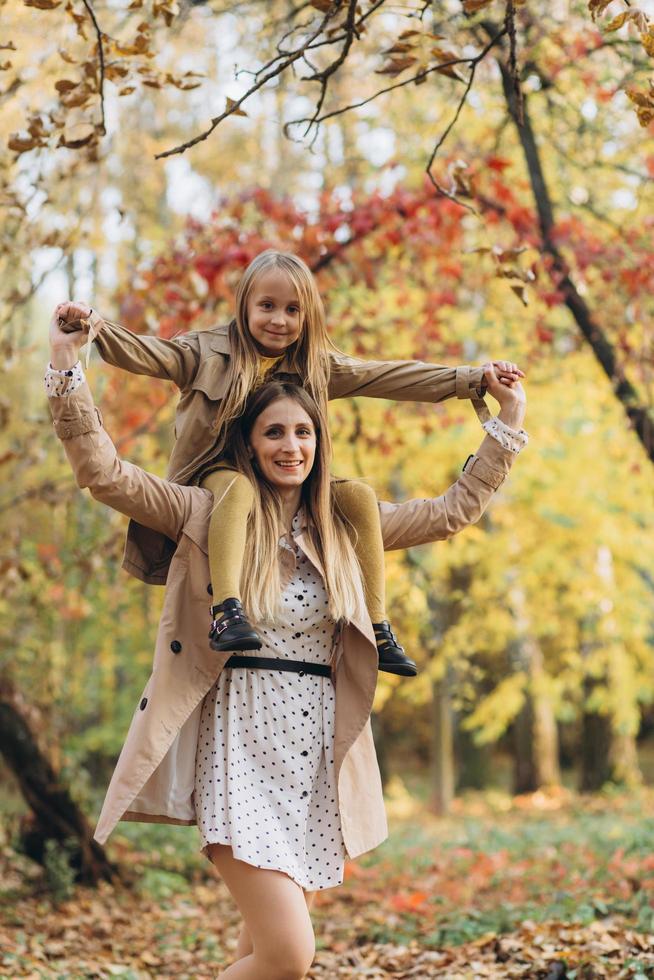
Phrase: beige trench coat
(197, 363)
(154, 777)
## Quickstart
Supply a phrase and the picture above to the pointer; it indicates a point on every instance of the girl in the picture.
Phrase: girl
(271, 756)
(278, 332)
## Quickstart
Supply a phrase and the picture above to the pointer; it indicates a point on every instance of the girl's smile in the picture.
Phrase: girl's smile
(273, 311)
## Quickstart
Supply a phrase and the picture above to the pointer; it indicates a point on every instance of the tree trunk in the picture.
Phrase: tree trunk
(473, 762)
(637, 412)
(442, 754)
(55, 814)
(536, 744)
(595, 746)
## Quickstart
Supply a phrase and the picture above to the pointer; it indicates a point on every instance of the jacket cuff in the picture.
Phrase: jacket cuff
(75, 414)
(476, 466)
(469, 382)
(491, 463)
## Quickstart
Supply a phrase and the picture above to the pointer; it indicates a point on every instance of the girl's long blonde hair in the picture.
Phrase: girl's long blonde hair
(327, 528)
(309, 353)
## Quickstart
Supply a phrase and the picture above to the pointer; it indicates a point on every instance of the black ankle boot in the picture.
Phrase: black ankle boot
(232, 631)
(392, 657)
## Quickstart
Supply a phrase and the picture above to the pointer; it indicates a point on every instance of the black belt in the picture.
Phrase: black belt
(300, 667)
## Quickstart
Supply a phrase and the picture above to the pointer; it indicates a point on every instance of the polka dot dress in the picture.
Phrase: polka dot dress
(264, 776)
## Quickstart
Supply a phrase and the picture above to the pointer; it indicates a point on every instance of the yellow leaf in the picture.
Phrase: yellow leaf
(229, 107)
(21, 143)
(472, 6)
(635, 15)
(396, 66)
(597, 7)
(77, 135)
(647, 41)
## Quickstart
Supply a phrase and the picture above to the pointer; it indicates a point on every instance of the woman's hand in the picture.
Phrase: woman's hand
(65, 338)
(512, 398)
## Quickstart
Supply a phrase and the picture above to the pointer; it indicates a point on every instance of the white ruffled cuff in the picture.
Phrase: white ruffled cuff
(63, 382)
(512, 439)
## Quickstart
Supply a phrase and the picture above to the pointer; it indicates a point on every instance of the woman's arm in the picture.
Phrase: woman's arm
(153, 502)
(172, 360)
(420, 521)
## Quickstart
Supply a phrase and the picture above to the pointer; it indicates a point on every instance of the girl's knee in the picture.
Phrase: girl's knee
(354, 495)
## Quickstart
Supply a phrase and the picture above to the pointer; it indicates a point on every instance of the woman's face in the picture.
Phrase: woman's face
(273, 311)
(283, 443)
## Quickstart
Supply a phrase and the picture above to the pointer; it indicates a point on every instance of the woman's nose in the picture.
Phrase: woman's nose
(290, 444)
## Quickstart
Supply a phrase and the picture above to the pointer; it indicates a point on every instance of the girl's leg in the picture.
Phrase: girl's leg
(358, 502)
(276, 916)
(244, 946)
(233, 497)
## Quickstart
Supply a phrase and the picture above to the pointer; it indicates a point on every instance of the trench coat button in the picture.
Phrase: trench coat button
(143, 703)
(296, 636)
(300, 673)
(300, 598)
(305, 713)
(304, 752)
(176, 646)
(305, 793)
(210, 589)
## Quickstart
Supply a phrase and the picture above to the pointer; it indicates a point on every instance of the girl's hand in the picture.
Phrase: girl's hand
(70, 315)
(64, 344)
(512, 398)
(508, 372)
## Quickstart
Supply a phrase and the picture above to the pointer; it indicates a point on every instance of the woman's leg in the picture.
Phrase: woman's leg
(358, 503)
(244, 946)
(276, 916)
(233, 497)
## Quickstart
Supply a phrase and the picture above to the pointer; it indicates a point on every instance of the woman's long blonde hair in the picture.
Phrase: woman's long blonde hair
(327, 528)
(309, 354)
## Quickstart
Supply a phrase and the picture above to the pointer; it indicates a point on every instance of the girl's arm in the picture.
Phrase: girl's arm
(414, 381)
(153, 502)
(420, 521)
(173, 360)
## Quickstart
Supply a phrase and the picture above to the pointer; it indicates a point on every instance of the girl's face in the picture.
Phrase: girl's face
(283, 443)
(273, 312)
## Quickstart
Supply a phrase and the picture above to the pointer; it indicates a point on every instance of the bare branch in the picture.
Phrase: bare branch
(98, 34)
(473, 67)
(259, 83)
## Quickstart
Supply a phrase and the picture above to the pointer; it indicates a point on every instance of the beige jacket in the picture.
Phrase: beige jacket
(154, 776)
(197, 363)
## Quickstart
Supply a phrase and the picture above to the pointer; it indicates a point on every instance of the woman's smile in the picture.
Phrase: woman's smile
(283, 444)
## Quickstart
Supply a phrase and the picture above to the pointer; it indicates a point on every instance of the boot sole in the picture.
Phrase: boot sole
(404, 670)
(236, 646)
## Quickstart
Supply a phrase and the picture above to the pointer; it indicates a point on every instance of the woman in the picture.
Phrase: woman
(276, 766)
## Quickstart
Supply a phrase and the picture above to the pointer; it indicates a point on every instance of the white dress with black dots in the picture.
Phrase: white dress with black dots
(264, 775)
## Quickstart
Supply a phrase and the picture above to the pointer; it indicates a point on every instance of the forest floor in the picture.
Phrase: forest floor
(539, 887)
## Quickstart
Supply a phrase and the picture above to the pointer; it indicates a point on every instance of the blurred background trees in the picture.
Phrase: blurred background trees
(529, 238)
